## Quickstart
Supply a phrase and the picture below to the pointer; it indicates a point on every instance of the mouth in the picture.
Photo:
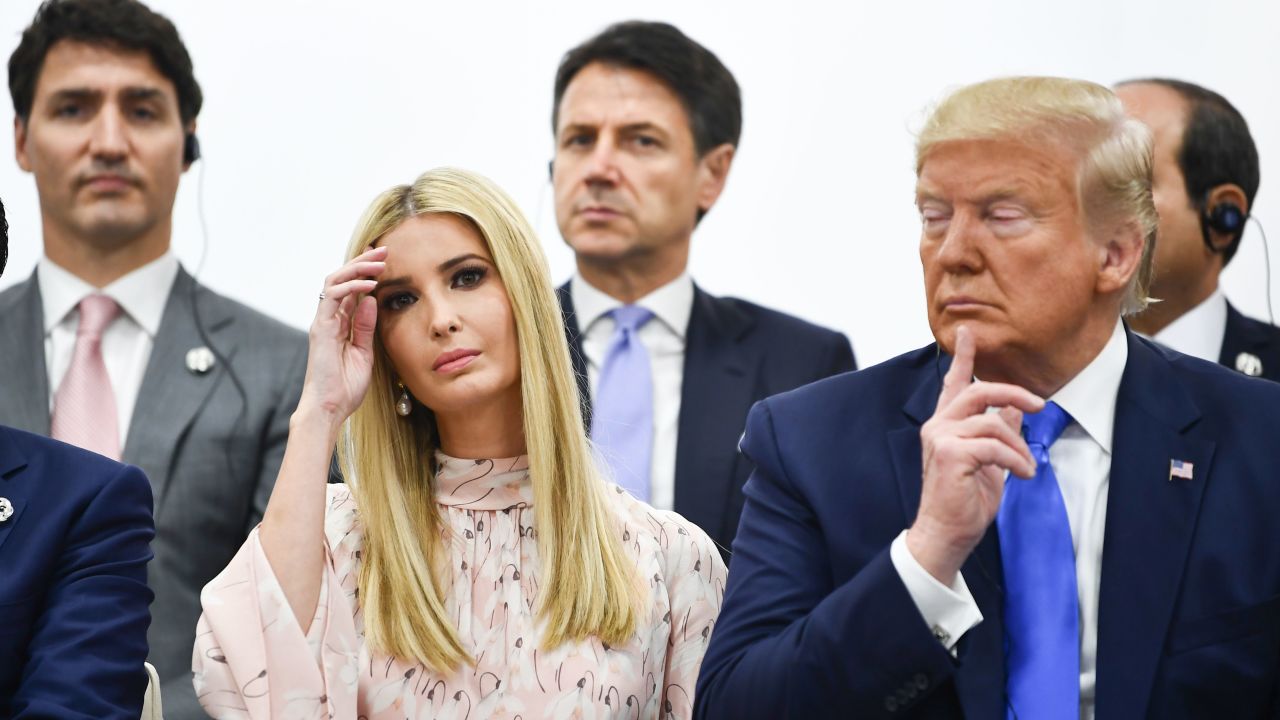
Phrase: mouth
(598, 213)
(962, 304)
(107, 183)
(454, 360)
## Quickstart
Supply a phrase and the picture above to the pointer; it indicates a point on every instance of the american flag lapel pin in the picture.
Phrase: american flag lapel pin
(1180, 469)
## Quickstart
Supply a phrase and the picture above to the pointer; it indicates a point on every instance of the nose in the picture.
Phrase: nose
(602, 164)
(109, 138)
(444, 320)
(959, 251)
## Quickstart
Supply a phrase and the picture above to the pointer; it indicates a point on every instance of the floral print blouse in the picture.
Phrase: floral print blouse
(252, 660)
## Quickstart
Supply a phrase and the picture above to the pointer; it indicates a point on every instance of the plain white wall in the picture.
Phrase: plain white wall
(313, 106)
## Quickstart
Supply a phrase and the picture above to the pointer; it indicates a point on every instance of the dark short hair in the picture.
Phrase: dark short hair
(4, 239)
(1216, 147)
(123, 24)
(704, 85)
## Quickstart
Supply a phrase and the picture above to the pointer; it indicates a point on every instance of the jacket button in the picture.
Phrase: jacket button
(922, 681)
(891, 704)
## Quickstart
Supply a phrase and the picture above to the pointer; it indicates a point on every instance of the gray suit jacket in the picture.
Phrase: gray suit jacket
(210, 443)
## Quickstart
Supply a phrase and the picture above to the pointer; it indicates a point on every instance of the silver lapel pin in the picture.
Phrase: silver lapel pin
(200, 360)
(1249, 364)
(6, 509)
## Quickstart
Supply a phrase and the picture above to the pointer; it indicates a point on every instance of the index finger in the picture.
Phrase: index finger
(961, 373)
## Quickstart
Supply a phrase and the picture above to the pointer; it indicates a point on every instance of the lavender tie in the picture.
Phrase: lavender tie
(622, 415)
(84, 409)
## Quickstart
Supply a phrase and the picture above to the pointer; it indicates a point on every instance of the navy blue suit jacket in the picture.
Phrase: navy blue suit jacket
(73, 582)
(1246, 335)
(816, 622)
(736, 353)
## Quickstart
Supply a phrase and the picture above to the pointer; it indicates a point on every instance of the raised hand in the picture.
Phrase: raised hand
(340, 359)
(966, 451)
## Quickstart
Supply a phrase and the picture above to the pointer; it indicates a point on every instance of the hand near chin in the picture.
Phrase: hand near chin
(966, 451)
(340, 359)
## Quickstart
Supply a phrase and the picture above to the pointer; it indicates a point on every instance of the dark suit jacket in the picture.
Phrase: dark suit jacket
(735, 354)
(1246, 335)
(817, 623)
(73, 582)
(210, 443)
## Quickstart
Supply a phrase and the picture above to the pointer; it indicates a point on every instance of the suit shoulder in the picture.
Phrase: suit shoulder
(1217, 388)
(251, 322)
(65, 462)
(12, 295)
(873, 390)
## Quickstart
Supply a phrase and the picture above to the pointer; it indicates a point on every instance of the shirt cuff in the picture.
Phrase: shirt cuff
(950, 612)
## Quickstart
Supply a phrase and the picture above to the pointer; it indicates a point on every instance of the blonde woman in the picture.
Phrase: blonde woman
(474, 564)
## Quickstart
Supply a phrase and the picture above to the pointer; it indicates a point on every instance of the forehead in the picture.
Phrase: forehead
(971, 170)
(1158, 107)
(602, 94)
(71, 65)
(432, 238)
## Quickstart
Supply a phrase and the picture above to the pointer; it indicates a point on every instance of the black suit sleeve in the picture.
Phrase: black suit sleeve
(841, 356)
(90, 640)
(789, 644)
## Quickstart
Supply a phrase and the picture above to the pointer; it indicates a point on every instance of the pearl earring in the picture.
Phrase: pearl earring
(404, 405)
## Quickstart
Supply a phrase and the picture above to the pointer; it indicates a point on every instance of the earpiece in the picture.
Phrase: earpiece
(1226, 217)
(551, 170)
(190, 149)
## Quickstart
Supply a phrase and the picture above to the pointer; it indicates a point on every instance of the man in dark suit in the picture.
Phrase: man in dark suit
(905, 552)
(1206, 178)
(75, 535)
(646, 123)
(111, 345)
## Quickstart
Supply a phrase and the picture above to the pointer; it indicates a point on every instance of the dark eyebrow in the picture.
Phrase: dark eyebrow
(143, 93)
(444, 266)
(401, 281)
(75, 94)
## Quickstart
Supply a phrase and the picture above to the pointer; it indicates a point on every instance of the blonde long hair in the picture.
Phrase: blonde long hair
(1115, 175)
(588, 585)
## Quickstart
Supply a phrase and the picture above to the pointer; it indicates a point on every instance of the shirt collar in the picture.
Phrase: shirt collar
(142, 293)
(1199, 331)
(1090, 396)
(672, 303)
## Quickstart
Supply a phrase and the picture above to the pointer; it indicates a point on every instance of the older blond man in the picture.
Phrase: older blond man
(1084, 532)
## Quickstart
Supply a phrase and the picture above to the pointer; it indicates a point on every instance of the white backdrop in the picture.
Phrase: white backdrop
(313, 106)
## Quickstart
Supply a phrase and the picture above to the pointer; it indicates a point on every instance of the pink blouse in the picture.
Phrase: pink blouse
(252, 660)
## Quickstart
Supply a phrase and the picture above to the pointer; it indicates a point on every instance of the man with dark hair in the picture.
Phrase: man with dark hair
(646, 124)
(112, 345)
(75, 534)
(1206, 177)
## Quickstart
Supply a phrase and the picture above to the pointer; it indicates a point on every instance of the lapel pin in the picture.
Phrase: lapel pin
(200, 360)
(1180, 469)
(1249, 364)
(6, 509)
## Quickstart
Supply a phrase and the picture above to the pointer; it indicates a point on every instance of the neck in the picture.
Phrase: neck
(635, 277)
(102, 263)
(494, 430)
(1160, 315)
(1044, 371)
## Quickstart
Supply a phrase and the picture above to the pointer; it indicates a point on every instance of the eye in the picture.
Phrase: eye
(143, 113)
(398, 301)
(645, 141)
(67, 110)
(579, 139)
(468, 277)
(933, 218)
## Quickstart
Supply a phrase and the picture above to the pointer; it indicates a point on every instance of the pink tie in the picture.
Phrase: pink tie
(84, 409)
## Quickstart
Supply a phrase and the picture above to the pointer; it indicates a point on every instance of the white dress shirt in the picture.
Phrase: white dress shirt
(1199, 331)
(664, 339)
(1081, 459)
(126, 342)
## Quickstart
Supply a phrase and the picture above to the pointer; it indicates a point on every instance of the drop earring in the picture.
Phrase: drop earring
(404, 405)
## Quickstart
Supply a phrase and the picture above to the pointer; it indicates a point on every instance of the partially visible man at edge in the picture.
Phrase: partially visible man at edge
(1205, 181)
(646, 124)
(110, 344)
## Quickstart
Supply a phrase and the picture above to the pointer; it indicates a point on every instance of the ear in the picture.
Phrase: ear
(20, 143)
(1121, 254)
(1227, 193)
(713, 171)
(187, 131)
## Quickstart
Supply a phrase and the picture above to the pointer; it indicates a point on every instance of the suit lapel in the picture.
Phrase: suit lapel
(13, 484)
(1150, 522)
(980, 672)
(573, 334)
(171, 395)
(24, 394)
(1243, 336)
(715, 394)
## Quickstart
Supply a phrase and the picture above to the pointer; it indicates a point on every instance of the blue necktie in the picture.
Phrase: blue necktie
(622, 415)
(1041, 609)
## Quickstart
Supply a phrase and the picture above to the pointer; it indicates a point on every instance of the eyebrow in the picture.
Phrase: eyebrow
(129, 93)
(403, 280)
(444, 266)
(641, 126)
(1000, 193)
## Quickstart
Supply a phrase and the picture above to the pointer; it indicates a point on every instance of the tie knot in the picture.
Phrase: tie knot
(631, 317)
(1044, 427)
(96, 313)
